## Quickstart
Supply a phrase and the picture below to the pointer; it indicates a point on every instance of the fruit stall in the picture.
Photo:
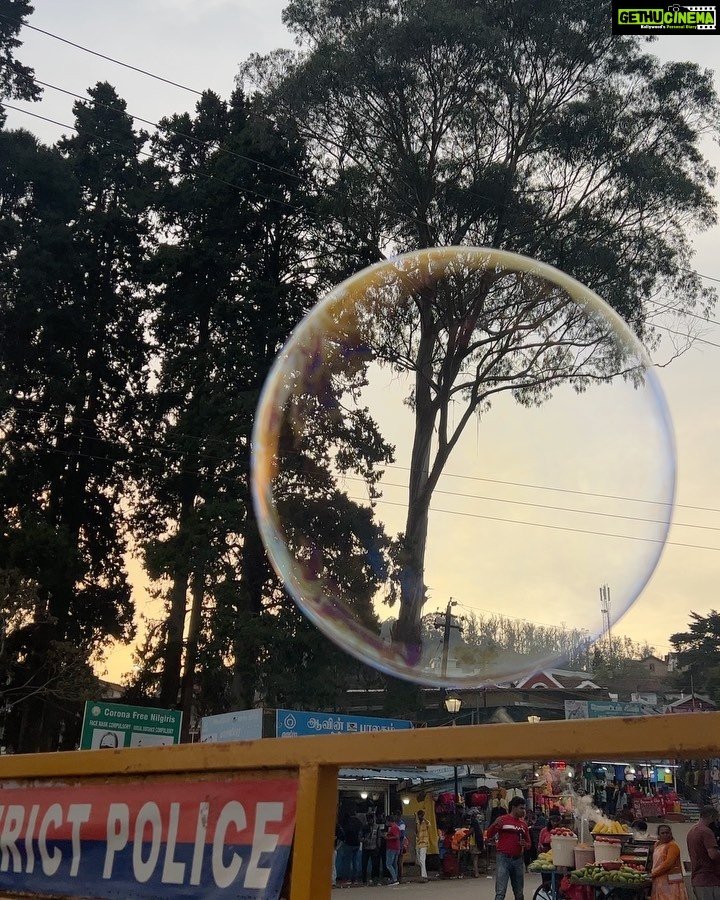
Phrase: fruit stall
(613, 877)
(614, 863)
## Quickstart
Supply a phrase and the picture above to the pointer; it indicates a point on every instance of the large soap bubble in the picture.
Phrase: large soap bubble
(460, 457)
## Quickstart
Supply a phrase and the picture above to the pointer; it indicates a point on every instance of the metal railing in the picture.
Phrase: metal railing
(315, 761)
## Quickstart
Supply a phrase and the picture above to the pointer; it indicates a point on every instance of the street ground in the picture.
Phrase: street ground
(467, 888)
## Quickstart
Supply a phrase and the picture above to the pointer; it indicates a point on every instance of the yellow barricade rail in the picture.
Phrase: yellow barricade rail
(315, 762)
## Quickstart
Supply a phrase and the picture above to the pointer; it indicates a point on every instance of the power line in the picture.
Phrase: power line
(38, 415)
(146, 153)
(115, 462)
(586, 512)
(492, 612)
(249, 191)
(681, 312)
(690, 337)
(624, 537)
(700, 275)
(544, 487)
(259, 163)
(141, 71)
(70, 454)
(111, 59)
(200, 143)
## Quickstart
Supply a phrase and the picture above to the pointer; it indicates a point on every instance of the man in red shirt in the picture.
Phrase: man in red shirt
(513, 837)
(392, 848)
(704, 856)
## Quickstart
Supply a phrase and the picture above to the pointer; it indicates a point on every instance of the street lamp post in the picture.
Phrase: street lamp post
(452, 705)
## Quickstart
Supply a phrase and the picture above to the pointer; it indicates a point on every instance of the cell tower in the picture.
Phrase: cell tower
(605, 612)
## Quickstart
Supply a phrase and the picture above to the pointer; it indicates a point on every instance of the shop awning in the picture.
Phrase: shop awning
(415, 776)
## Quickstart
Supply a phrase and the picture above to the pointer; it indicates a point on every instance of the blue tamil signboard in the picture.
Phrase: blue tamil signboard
(293, 722)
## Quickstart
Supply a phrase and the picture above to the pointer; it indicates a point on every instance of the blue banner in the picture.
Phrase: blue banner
(139, 841)
(293, 722)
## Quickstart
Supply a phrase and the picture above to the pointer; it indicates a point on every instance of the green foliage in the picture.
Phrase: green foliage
(40, 673)
(74, 238)
(235, 272)
(494, 635)
(16, 80)
(699, 655)
(615, 663)
(74, 365)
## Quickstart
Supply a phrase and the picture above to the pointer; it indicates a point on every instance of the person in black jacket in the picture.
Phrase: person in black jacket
(352, 826)
(371, 838)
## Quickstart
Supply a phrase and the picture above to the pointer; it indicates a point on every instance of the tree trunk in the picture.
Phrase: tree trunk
(188, 678)
(172, 662)
(173, 652)
(247, 645)
(412, 580)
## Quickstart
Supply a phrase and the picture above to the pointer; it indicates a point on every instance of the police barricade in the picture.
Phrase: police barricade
(220, 820)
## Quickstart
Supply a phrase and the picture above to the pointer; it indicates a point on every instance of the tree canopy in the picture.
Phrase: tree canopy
(17, 82)
(698, 655)
(515, 125)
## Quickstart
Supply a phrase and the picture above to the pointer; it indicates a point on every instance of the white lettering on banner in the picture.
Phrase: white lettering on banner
(12, 826)
(29, 834)
(149, 815)
(146, 835)
(50, 862)
(225, 875)
(200, 832)
(173, 871)
(262, 843)
(77, 814)
(118, 831)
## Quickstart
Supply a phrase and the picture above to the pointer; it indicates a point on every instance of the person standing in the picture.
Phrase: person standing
(476, 843)
(371, 836)
(422, 842)
(545, 838)
(392, 849)
(404, 846)
(704, 856)
(353, 851)
(513, 837)
(339, 837)
(666, 873)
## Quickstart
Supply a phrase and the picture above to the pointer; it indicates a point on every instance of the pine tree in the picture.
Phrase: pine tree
(73, 366)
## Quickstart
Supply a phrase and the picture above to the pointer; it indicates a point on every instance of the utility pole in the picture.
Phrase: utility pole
(446, 625)
(605, 613)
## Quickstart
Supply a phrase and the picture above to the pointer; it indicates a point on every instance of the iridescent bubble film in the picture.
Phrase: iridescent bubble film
(463, 467)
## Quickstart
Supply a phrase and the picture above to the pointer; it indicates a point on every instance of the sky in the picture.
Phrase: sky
(199, 46)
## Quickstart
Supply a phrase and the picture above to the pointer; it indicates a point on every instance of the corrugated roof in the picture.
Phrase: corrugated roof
(394, 775)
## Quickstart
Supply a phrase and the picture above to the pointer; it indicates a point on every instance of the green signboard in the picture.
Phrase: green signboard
(107, 726)
(602, 709)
